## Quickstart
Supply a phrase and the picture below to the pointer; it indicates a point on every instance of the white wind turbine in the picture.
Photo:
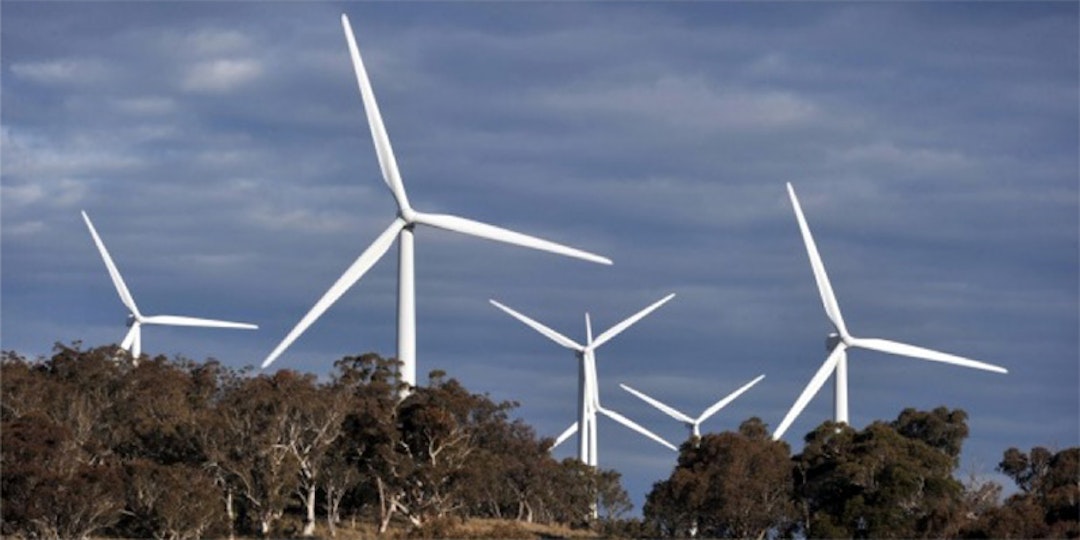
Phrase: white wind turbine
(402, 228)
(839, 341)
(588, 392)
(693, 424)
(133, 340)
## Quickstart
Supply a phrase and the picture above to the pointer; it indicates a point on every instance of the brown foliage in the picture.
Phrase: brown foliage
(730, 485)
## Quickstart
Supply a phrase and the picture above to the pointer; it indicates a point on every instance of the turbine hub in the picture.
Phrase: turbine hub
(131, 320)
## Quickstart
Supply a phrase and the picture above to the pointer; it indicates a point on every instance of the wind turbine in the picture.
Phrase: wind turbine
(693, 424)
(840, 340)
(133, 340)
(588, 392)
(402, 228)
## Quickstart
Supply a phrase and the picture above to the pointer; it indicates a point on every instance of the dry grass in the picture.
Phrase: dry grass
(494, 528)
(447, 528)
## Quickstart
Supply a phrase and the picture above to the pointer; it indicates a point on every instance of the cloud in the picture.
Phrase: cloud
(68, 71)
(890, 154)
(217, 41)
(221, 75)
(146, 105)
(27, 155)
(689, 103)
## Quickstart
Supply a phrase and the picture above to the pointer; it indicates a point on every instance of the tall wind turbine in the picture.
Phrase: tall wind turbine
(402, 228)
(840, 340)
(693, 424)
(133, 340)
(588, 392)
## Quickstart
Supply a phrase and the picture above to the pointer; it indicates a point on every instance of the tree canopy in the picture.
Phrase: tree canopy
(180, 449)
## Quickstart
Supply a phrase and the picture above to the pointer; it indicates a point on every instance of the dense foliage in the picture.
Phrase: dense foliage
(735, 485)
(888, 480)
(92, 445)
(178, 449)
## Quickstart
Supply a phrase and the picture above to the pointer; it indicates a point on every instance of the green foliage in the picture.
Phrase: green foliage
(890, 480)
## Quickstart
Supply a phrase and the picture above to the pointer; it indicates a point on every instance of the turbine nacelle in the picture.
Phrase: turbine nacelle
(832, 340)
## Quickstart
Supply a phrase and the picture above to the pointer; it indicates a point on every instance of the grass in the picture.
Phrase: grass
(446, 528)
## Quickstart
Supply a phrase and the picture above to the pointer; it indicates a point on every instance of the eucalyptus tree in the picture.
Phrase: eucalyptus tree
(726, 485)
(889, 480)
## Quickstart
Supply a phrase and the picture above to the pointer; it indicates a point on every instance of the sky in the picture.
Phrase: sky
(222, 151)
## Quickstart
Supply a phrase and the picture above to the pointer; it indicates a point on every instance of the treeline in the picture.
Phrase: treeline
(889, 480)
(181, 449)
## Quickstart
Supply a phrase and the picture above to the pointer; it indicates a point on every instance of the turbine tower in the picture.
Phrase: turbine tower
(588, 392)
(402, 228)
(693, 424)
(840, 340)
(133, 340)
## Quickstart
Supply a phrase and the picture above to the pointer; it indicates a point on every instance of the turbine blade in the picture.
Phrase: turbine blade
(615, 330)
(828, 298)
(811, 389)
(114, 273)
(363, 263)
(655, 403)
(539, 327)
(499, 234)
(724, 402)
(565, 435)
(129, 338)
(903, 349)
(383, 150)
(176, 320)
(635, 426)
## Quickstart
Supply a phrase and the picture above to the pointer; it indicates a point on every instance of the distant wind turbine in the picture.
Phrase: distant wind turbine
(693, 424)
(133, 340)
(402, 228)
(839, 341)
(588, 392)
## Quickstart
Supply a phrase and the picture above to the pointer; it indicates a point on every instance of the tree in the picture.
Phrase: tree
(248, 443)
(370, 431)
(180, 449)
(889, 480)
(312, 419)
(171, 501)
(57, 471)
(612, 499)
(731, 485)
(441, 427)
(1048, 504)
(154, 413)
(941, 428)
